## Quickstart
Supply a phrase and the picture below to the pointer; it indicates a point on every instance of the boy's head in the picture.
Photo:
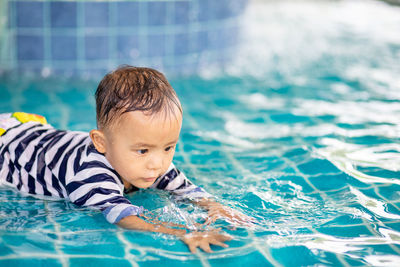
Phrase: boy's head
(129, 89)
(139, 119)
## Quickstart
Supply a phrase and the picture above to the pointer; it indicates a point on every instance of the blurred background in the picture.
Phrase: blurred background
(79, 38)
(89, 38)
(298, 100)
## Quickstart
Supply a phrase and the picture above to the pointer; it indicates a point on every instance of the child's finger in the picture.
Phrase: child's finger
(219, 243)
(209, 221)
(223, 238)
(206, 247)
(192, 248)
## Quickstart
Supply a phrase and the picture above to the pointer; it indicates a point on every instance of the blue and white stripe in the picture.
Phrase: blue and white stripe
(39, 160)
(177, 183)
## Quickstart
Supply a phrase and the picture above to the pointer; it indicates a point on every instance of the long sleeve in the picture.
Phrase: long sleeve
(97, 185)
(176, 182)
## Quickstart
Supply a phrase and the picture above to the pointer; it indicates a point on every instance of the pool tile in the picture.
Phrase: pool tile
(378, 172)
(11, 20)
(393, 210)
(155, 260)
(96, 47)
(30, 47)
(75, 95)
(183, 12)
(99, 243)
(36, 98)
(305, 187)
(27, 216)
(356, 183)
(316, 195)
(18, 262)
(329, 258)
(370, 140)
(219, 38)
(128, 13)
(63, 14)
(288, 118)
(29, 14)
(82, 261)
(156, 45)
(345, 232)
(64, 47)
(96, 14)
(204, 10)
(75, 219)
(294, 256)
(156, 13)
(329, 182)
(226, 8)
(36, 242)
(354, 262)
(254, 258)
(294, 152)
(317, 166)
(4, 93)
(369, 193)
(381, 249)
(344, 220)
(182, 44)
(223, 10)
(260, 164)
(128, 47)
(252, 199)
(4, 249)
(147, 239)
(6, 107)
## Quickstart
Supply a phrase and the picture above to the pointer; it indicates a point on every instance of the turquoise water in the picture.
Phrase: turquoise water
(301, 132)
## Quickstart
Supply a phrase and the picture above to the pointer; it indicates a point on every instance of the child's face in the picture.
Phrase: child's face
(141, 147)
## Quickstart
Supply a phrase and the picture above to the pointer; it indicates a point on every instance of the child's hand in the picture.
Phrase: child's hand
(204, 239)
(218, 211)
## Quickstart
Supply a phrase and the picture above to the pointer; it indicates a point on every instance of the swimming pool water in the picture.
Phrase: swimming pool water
(302, 133)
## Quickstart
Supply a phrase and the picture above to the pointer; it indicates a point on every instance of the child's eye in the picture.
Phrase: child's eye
(142, 151)
(169, 148)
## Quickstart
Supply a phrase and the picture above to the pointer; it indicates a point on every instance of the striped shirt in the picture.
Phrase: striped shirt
(40, 160)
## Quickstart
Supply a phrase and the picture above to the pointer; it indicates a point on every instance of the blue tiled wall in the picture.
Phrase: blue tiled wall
(63, 14)
(27, 18)
(92, 37)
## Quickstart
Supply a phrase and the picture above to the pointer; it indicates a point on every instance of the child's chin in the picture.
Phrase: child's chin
(143, 185)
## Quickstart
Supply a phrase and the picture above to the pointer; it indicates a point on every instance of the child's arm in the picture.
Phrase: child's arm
(176, 182)
(193, 239)
(105, 193)
(136, 223)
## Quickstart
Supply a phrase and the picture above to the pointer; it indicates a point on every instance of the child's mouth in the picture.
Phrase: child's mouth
(150, 179)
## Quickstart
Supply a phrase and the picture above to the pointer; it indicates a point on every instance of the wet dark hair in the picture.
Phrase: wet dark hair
(131, 88)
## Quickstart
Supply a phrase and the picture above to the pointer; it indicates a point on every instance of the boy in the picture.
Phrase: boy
(139, 120)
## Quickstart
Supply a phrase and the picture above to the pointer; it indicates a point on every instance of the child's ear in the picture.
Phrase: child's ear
(98, 140)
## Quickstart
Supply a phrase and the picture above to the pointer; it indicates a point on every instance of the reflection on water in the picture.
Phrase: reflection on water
(302, 134)
(347, 157)
(375, 206)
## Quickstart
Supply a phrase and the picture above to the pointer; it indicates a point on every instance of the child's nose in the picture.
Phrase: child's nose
(155, 163)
